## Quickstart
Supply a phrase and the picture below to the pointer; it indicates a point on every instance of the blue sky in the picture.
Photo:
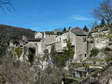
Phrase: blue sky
(43, 15)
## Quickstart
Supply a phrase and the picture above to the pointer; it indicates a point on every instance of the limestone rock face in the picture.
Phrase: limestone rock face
(110, 81)
(105, 77)
(100, 39)
(38, 35)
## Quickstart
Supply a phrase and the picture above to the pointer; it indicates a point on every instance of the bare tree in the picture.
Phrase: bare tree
(6, 5)
(104, 11)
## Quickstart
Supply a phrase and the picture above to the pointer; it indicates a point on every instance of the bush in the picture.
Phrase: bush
(31, 55)
(94, 52)
(18, 51)
(2, 51)
(108, 49)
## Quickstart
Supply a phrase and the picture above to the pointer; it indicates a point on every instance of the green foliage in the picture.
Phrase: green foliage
(55, 56)
(8, 33)
(2, 51)
(94, 52)
(76, 65)
(108, 36)
(18, 51)
(108, 59)
(49, 33)
(70, 51)
(31, 55)
(107, 49)
(60, 59)
(94, 59)
(64, 30)
(69, 27)
(85, 29)
(102, 23)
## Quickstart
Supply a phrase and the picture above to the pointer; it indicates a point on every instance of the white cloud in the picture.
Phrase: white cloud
(81, 18)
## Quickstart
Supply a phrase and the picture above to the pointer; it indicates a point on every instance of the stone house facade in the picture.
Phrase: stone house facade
(100, 39)
(44, 41)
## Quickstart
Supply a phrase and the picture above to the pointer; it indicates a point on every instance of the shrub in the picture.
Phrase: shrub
(31, 55)
(108, 49)
(18, 51)
(94, 52)
(60, 59)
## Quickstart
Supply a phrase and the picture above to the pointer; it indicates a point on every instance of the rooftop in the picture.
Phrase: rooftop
(78, 31)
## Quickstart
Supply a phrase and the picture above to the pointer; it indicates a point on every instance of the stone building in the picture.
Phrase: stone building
(78, 40)
(44, 40)
(100, 38)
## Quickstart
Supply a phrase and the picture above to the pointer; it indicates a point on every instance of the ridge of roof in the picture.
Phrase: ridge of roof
(78, 31)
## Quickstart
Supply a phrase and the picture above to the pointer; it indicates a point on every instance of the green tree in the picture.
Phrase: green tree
(69, 27)
(64, 30)
(60, 59)
(85, 29)
(55, 57)
(94, 52)
(102, 22)
(69, 52)
(31, 55)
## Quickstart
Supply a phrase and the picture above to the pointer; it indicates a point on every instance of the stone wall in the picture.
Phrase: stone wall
(78, 42)
(81, 47)
(100, 39)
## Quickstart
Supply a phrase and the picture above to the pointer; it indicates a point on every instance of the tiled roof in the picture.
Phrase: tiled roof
(57, 30)
(77, 31)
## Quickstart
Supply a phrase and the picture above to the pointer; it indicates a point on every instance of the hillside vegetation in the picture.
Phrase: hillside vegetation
(8, 33)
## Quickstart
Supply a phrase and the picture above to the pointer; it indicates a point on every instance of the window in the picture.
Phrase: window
(85, 55)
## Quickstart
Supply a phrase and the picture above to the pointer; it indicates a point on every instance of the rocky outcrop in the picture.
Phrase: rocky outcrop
(103, 77)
